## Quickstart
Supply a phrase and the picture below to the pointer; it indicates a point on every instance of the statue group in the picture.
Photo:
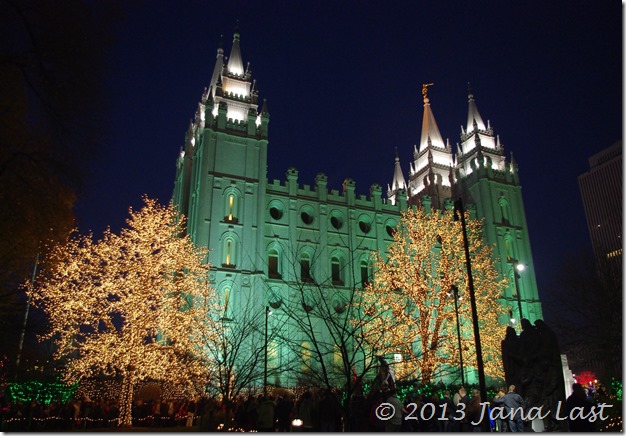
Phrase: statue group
(532, 362)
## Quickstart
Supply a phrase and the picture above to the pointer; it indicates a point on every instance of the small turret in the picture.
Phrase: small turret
(398, 183)
(474, 120)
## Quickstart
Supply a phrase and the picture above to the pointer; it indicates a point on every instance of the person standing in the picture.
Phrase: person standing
(578, 422)
(266, 415)
(447, 408)
(395, 422)
(513, 407)
(461, 410)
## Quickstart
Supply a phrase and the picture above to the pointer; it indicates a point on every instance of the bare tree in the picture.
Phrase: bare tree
(323, 322)
(586, 314)
(234, 346)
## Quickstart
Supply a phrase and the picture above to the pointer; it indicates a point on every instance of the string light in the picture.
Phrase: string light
(132, 305)
(408, 298)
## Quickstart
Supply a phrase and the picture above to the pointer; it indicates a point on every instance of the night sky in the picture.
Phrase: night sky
(343, 81)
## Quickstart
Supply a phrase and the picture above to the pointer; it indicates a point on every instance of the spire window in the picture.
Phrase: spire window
(231, 206)
(229, 252)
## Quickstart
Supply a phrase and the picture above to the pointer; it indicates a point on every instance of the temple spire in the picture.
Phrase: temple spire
(398, 177)
(398, 181)
(219, 66)
(430, 131)
(474, 120)
(235, 62)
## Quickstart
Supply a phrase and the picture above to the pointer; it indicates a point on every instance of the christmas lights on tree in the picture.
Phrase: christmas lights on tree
(411, 300)
(132, 305)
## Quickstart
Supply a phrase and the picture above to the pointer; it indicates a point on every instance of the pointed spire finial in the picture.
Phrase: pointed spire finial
(470, 92)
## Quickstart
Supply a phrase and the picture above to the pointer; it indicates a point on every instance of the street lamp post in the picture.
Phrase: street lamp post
(459, 214)
(455, 293)
(268, 312)
(516, 268)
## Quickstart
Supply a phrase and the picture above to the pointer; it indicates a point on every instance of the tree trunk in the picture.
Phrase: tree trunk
(126, 400)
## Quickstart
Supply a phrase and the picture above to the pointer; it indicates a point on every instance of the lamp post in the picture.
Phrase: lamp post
(268, 312)
(459, 214)
(516, 268)
(455, 293)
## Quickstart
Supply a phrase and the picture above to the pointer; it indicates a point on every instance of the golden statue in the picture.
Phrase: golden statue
(425, 89)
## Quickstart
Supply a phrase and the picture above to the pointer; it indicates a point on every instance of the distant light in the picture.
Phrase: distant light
(512, 320)
(520, 267)
(397, 357)
(296, 423)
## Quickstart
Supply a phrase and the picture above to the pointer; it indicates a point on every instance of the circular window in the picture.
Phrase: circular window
(390, 230)
(306, 218)
(336, 222)
(365, 226)
(276, 213)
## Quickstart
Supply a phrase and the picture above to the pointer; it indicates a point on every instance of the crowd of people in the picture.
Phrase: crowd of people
(314, 410)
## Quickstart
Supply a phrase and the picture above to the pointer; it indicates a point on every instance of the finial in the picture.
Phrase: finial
(470, 92)
(425, 91)
(397, 156)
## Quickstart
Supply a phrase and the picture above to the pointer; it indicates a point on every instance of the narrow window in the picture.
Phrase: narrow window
(365, 273)
(229, 253)
(231, 202)
(226, 314)
(272, 264)
(306, 356)
(305, 268)
(336, 271)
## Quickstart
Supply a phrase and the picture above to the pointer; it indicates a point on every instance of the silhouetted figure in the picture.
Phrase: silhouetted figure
(549, 363)
(511, 358)
(513, 405)
(532, 378)
(579, 399)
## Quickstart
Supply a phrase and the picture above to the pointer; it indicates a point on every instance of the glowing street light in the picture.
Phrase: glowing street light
(517, 268)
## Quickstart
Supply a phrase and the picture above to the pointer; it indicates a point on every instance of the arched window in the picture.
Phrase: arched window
(505, 210)
(509, 246)
(305, 268)
(231, 207)
(337, 358)
(226, 294)
(365, 272)
(336, 270)
(273, 264)
(305, 355)
(229, 259)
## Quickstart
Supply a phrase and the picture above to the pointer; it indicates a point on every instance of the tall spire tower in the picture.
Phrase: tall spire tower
(221, 177)
(433, 161)
(484, 179)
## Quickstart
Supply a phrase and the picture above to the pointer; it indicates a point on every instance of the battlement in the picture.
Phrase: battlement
(319, 192)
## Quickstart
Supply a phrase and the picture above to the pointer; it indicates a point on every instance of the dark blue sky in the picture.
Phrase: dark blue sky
(343, 85)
